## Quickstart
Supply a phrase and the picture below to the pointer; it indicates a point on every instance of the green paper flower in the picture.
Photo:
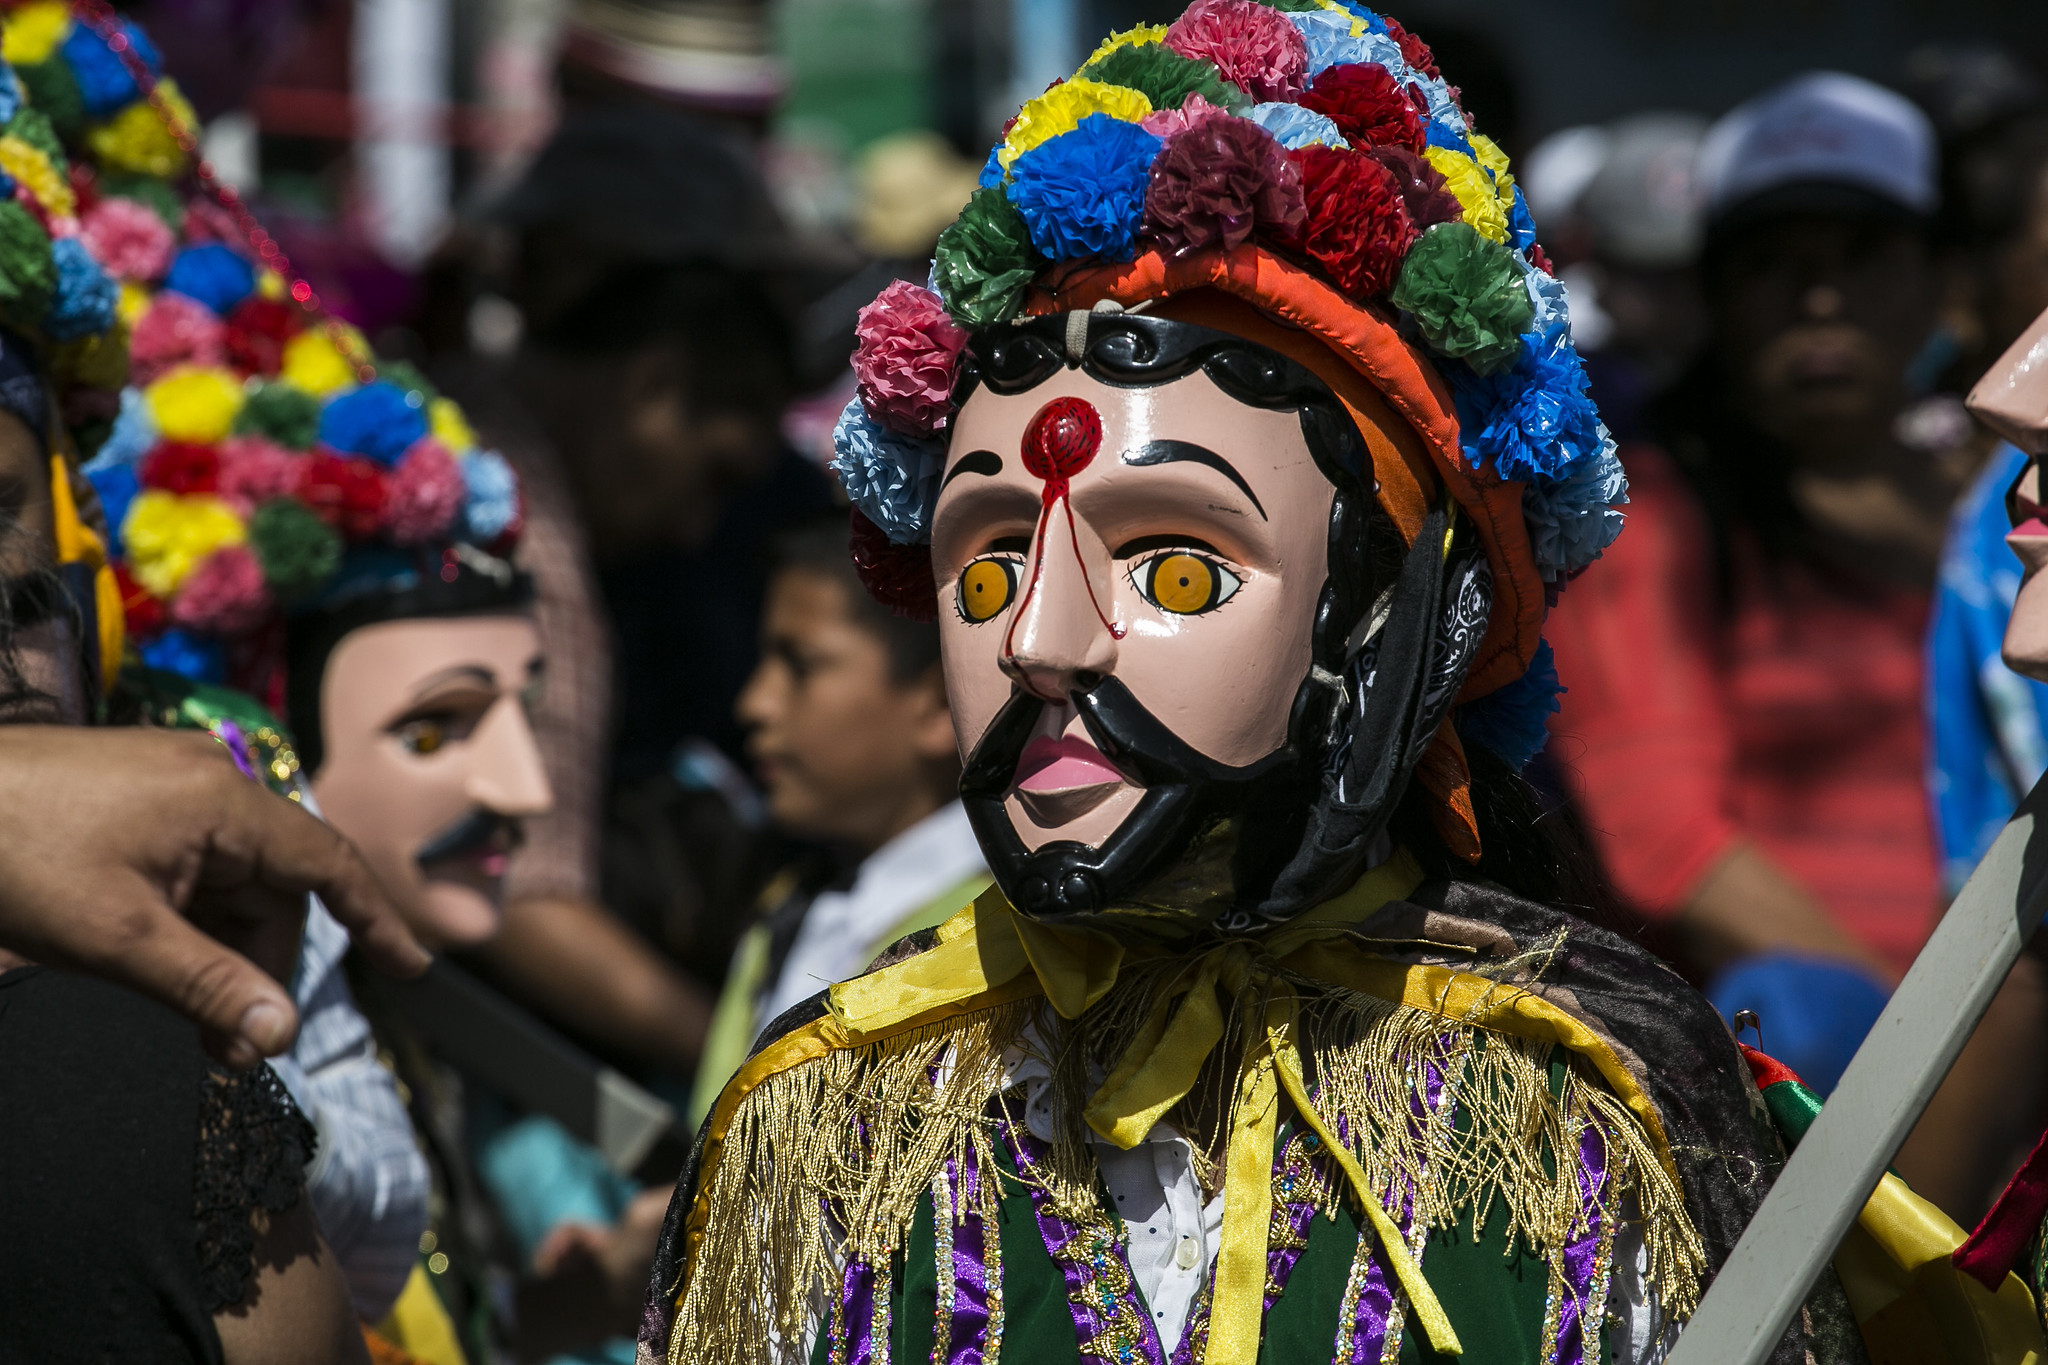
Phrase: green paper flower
(147, 189)
(297, 551)
(407, 376)
(54, 94)
(1466, 295)
(985, 259)
(1293, 6)
(282, 412)
(28, 275)
(33, 127)
(1165, 77)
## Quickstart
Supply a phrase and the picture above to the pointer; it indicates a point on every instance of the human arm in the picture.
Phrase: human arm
(297, 1311)
(145, 857)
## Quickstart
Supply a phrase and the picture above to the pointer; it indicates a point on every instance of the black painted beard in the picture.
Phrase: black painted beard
(1189, 851)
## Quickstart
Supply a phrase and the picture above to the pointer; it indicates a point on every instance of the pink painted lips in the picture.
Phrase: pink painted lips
(1063, 764)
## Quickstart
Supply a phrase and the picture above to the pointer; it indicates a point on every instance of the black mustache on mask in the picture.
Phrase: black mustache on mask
(477, 832)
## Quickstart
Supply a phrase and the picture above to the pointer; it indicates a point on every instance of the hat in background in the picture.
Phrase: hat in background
(908, 187)
(716, 54)
(1821, 142)
(1643, 205)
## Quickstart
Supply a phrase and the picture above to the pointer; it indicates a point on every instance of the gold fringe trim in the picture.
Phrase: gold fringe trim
(791, 1197)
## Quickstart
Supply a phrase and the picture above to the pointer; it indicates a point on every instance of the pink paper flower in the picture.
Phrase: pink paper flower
(176, 330)
(423, 494)
(206, 221)
(223, 595)
(1193, 110)
(127, 238)
(1250, 43)
(1214, 183)
(908, 355)
(253, 471)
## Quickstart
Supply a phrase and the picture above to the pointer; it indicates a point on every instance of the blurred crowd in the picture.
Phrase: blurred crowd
(1787, 735)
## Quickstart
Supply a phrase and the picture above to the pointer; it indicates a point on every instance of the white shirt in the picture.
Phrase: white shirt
(841, 931)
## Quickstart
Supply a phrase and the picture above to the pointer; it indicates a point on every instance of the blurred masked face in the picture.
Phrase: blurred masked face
(847, 754)
(430, 764)
(1817, 320)
(42, 679)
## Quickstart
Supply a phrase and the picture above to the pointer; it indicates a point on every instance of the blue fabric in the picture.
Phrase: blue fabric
(213, 274)
(188, 655)
(1813, 1013)
(1985, 722)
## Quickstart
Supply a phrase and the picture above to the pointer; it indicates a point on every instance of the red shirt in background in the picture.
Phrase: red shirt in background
(1788, 715)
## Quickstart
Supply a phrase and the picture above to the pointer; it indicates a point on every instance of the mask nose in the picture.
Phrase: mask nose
(506, 774)
(1060, 631)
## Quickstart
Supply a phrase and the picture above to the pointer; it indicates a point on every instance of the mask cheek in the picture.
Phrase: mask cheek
(2026, 634)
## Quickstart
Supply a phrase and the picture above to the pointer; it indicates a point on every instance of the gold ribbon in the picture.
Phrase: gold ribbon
(989, 945)
(77, 543)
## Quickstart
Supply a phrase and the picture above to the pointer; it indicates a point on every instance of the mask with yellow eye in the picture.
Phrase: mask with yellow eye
(987, 586)
(1184, 582)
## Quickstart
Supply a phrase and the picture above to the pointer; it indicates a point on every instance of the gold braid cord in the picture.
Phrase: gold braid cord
(830, 1158)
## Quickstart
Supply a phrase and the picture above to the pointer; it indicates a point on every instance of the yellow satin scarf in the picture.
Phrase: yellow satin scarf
(78, 544)
(988, 945)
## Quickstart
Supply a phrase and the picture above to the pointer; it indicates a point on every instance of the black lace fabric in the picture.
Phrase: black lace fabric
(254, 1145)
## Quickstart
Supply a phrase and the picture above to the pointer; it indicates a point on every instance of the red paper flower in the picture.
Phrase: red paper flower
(257, 331)
(897, 576)
(142, 613)
(1253, 45)
(85, 187)
(1422, 188)
(1213, 184)
(1358, 228)
(1413, 50)
(1368, 106)
(347, 494)
(179, 467)
(1540, 258)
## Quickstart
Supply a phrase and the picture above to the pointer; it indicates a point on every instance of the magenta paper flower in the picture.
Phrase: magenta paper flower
(1250, 43)
(422, 494)
(1218, 181)
(1193, 110)
(127, 238)
(223, 595)
(175, 331)
(253, 471)
(907, 358)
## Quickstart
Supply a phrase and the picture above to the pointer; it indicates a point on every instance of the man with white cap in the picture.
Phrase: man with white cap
(1745, 718)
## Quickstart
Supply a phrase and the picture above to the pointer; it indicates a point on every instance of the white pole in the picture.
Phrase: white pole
(401, 92)
(1044, 45)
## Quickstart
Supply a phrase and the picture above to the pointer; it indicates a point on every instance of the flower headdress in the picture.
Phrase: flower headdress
(1307, 157)
(248, 453)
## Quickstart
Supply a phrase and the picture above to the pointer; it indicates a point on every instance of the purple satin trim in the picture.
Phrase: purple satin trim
(1577, 1313)
(237, 744)
(970, 1274)
(1080, 1272)
(1374, 1317)
(857, 1310)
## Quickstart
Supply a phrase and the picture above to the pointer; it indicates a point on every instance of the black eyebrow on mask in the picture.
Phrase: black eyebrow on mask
(975, 462)
(1166, 452)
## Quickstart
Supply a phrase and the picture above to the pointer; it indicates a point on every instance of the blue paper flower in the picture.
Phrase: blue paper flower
(84, 299)
(1293, 126)
(1572, 521)
(198, 657)
(1328, 36)
(493, 499)
(1373, 22)
(1521, 226)
(10, 93)
(1536, 419)
(117, 485)
(379, 421)
(1513, 721)
(1082, 193)
(104, 84)
(133, 435)
(213, 274)
(893, 479)
(992, 169)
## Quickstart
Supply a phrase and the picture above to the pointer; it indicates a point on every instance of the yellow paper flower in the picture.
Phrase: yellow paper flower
(33, 32)
(1464, 178)
(137, 139)
(1495, 160)
(195, 403)
(269, 284)
(312, 362)
(1357, 24)
(1061, 109)
(449, 426)
(1144, 35)
(29, 166)
(166, 535)
(132, 302)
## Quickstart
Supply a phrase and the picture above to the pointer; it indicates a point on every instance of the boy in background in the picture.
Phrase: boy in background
(848, 727)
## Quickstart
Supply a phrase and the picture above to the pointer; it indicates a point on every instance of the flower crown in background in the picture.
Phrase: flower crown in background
(1321, 131)
(241, 441)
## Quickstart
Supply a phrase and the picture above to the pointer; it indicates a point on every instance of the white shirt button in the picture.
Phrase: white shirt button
(1187, 1253)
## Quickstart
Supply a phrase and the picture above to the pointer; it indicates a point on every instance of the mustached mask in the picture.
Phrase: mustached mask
(1211, 843)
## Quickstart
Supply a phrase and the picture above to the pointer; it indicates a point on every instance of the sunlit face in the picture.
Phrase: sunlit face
(1185, 562)
(2026, 634)
(430, 764)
